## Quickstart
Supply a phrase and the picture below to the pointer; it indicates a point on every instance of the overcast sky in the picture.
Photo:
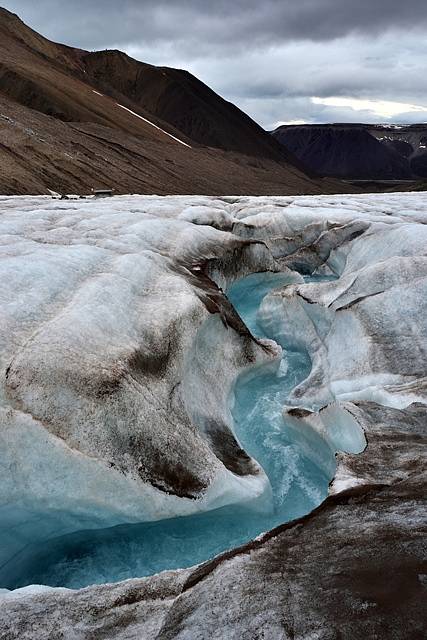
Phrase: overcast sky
(278, 60)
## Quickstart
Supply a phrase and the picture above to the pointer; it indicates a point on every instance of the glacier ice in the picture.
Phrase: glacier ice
(299, 481)
(120, 354)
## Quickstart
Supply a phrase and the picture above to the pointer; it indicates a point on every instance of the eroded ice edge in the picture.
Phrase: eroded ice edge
(97, 283)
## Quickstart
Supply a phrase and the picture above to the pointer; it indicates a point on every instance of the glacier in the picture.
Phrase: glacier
(177, 365)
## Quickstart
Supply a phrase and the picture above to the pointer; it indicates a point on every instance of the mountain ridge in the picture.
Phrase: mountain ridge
(64, 128)
(359, 151)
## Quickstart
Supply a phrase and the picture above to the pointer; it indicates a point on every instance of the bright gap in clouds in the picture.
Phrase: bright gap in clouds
(382, 108)
(289, 122)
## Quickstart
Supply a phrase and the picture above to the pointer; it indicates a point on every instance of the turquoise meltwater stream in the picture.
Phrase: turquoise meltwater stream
(299, 484)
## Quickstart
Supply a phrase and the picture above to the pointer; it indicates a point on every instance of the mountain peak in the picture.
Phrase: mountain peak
(193, 139)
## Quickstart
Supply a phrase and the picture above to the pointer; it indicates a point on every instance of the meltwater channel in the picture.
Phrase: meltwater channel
(299, 484)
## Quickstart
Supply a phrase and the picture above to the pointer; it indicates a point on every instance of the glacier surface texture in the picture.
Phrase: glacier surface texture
(179, 375)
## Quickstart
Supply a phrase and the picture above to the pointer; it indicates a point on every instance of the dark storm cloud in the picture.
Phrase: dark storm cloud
(247, 22)
(268, 57)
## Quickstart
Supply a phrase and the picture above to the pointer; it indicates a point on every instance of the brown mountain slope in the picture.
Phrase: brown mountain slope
(48, 77)
(183, 101)
(174, 96)
(58, 131)
(38, 153)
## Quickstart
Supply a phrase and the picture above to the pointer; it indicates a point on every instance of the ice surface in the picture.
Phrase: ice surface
(299, 467)
(116, 352)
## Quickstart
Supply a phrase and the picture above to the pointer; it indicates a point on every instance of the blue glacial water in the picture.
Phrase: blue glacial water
(294, 463)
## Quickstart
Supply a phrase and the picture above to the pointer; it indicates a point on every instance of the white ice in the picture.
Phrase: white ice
(86, 286)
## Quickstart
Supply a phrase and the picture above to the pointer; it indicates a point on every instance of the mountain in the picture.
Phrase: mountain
(71, 120)
(354, 151)
(184, 102)
(410, 142)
